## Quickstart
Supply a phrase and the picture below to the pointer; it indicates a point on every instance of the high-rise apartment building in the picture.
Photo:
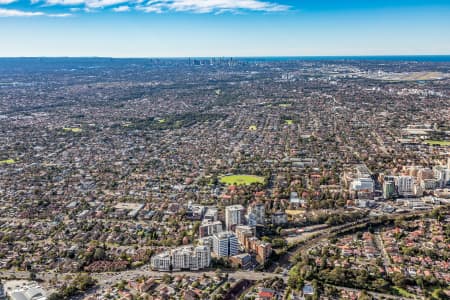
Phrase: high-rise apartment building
(183, 258)
(225, 244)
(233, 216)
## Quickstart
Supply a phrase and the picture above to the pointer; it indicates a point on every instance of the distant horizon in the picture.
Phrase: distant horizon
(232, 56)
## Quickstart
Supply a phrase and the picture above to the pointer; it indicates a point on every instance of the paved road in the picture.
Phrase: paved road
(108, 278)
(384, 254)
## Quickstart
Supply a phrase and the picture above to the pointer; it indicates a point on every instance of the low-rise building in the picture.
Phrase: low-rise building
(208, 228)
(279, 218)
(211, 214)
(24, 290)
(243, 260)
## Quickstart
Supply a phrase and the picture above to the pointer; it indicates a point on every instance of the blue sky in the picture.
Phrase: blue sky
(180, 28)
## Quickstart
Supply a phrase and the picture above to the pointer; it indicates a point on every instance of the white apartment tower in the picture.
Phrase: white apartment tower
(183, 258)
(225, 244)
(233, 216)
(256, 214)
(405, 185)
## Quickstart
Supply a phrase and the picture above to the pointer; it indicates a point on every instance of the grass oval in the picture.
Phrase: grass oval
(241, 179)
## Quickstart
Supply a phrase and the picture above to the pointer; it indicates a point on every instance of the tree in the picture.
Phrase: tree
(295, 279)
(279, 229)
(364, 296)
(32, 275)
(84, 282)
(380, 284)
(55, 296)
(121, 285)
(279, 243)
(99, 254)
(399, 280)
(166, 278)
(439, 294)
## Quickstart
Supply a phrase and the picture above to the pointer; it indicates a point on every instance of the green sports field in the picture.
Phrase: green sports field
(440, 143)
(72, 129)
(241, 179)
(7, 162)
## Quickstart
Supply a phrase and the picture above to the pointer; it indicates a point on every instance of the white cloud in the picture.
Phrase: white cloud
(7, 1)
(59, 15)
(87, 3)
(18, 13)
(21, 13)
(104, 3)
(160, 6)
(122, 8)
(216, 6)
(150, 9)
(64, 2)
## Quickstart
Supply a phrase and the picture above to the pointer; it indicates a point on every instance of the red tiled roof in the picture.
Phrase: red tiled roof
(265, 294)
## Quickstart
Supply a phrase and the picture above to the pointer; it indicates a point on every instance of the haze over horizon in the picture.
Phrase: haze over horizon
(222, 28)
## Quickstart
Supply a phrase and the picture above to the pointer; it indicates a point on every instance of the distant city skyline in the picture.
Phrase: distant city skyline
(227, 28)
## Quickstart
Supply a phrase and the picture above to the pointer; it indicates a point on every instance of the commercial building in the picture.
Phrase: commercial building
(243, 260)
(279, 218)
(24, 290)
(362, 185)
